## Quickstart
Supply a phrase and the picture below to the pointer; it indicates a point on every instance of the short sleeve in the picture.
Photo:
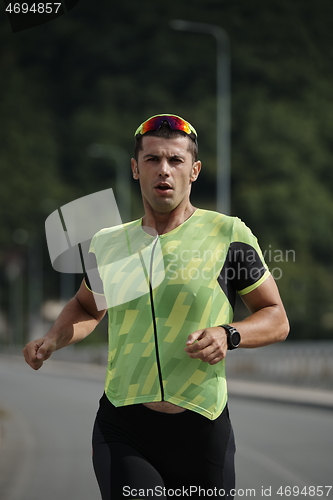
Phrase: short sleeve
(247, 259)
(244, 268)
(92, 277)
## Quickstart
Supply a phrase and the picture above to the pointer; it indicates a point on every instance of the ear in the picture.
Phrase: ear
(196, 167)
(134, 167)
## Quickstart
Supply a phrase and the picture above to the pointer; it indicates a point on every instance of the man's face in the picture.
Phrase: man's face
(166, 170)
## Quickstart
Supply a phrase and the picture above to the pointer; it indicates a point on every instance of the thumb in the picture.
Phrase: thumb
(194, 337)
(45, 350)
(40, 353)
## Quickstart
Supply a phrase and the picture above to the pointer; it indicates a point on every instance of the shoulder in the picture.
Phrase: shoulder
(217, 223)
(116, 229)
(110, 233)
(210, 217)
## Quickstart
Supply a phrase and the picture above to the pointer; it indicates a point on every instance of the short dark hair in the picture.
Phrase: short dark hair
(167, 133)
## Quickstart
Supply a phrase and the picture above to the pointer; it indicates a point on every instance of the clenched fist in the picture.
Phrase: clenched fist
(209, 344)
(38, 351)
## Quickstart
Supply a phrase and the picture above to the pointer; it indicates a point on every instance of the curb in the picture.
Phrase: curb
(280, 393)
(268, 391)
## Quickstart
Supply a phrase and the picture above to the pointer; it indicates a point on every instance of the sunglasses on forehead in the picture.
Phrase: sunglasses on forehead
(175, 123)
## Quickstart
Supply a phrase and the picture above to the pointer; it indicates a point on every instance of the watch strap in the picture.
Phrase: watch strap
(233, 336)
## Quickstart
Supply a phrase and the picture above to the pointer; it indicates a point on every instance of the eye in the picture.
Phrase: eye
(176, 159)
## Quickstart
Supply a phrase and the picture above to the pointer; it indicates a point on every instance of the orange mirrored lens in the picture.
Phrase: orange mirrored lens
(175, 123)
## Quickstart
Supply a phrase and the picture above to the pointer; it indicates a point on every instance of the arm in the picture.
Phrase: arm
(76, 321)
(267, 324)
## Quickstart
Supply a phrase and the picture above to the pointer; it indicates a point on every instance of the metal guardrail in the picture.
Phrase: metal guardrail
(304, 363)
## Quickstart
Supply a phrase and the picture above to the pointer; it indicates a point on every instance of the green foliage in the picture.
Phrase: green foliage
(93, 75)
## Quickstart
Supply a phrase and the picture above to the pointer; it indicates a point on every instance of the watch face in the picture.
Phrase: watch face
(235, 338)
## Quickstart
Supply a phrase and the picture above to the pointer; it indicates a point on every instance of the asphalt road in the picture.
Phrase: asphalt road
(282, 445)
(53, 412)
(45, 449)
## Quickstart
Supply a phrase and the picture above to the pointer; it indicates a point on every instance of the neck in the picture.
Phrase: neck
(164, 222)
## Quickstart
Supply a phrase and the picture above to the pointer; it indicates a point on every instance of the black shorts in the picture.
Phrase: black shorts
(139, 453)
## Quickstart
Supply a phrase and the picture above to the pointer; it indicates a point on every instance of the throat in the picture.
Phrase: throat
(165, 222)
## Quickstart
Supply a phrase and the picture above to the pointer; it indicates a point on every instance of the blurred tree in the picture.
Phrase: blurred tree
(93, 75)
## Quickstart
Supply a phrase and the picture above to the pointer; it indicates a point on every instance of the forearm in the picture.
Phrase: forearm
(263, 327)
(72, 325)
(76, 321)
(267, 323)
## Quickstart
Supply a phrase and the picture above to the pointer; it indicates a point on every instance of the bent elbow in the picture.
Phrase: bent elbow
(284, 330)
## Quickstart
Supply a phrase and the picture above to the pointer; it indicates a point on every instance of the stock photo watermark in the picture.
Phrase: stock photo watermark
(197, 491)
(243, 264)
(136, 262)
(273, 256)
(23, 15)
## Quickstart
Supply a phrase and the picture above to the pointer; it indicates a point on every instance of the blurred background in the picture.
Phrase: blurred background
(74, 90)
(72, 93)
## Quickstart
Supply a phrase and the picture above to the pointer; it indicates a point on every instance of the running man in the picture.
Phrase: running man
(162, 428)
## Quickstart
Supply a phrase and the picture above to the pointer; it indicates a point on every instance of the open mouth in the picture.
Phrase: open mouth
(163, 188)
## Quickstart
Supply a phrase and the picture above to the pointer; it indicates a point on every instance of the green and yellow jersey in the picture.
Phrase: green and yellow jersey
(161, 288)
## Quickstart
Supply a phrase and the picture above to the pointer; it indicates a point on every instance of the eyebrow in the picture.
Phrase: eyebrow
(151, 155)
(173, 156)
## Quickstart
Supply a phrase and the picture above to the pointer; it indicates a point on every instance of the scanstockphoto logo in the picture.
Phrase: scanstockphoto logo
(28, 14)
(233, 264)
(274, 257)
(124, 271)
(122, 262)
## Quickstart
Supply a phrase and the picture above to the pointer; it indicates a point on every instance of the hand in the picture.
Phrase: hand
(38, 351)
(211, 345)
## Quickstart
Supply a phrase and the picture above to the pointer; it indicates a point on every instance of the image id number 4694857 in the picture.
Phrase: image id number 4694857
(306, 491)
(35, 8)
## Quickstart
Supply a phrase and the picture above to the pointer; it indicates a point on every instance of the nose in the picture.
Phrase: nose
(164, 168)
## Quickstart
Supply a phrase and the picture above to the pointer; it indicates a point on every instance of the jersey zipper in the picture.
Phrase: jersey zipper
(154, 321)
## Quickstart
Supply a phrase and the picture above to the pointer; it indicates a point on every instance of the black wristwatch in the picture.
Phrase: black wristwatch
(233, 337)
